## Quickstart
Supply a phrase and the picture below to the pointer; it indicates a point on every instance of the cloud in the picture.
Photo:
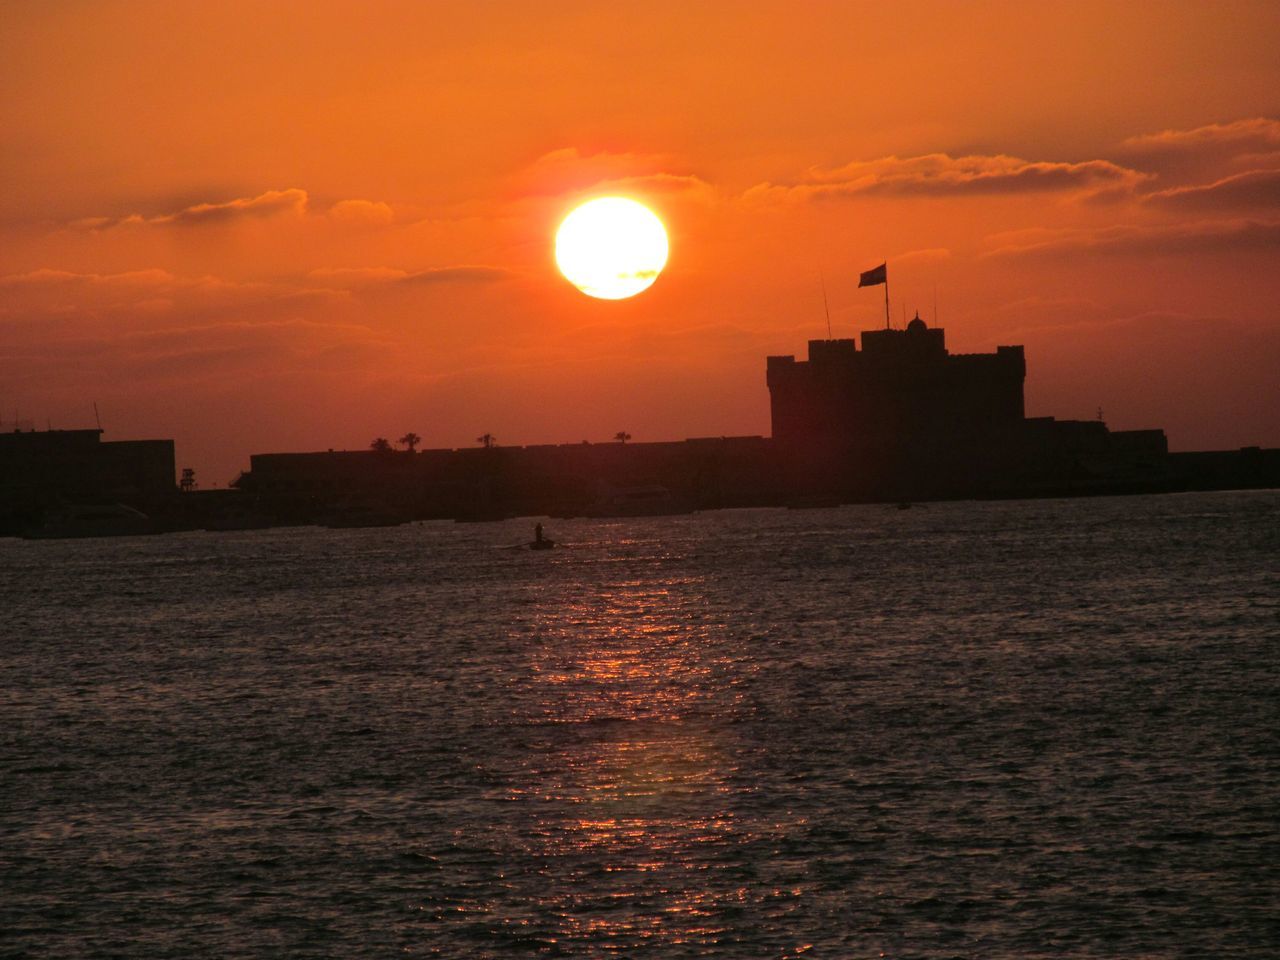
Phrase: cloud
(464, 274)
(1201, 237)
(939, 174)
(659, 183)
(150, 281)
(65, 291)
(354, 277)
(1210, 150)
(175, 352)
(1036, 306)
(926, 255)
(133, 294)
(48, 292)
(362, 213)
(97, 223)
(572, 163)
(273, 202)
(1161, 320)
(1239, 136)
(46, 278)
(1255, 188)
(570, 171)
(292, 202)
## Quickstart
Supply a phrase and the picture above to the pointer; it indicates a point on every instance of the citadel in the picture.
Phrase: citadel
(899, 420)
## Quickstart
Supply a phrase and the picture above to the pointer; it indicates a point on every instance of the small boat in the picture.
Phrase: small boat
(539, 542)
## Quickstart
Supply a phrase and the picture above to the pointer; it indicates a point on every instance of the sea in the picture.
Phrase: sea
(978, 729)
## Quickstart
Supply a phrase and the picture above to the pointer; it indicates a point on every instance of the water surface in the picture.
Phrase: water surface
(1030, 729)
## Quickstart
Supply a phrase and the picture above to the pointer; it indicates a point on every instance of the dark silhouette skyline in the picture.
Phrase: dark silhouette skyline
(900, 419)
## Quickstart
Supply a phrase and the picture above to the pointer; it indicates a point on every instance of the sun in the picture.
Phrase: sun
(611, 248)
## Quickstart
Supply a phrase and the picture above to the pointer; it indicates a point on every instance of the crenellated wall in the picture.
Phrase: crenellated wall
(901, 386)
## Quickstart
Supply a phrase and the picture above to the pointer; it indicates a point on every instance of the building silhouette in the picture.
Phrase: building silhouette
(901, 384)
(903, 418)
(899, 419)
(42, 471)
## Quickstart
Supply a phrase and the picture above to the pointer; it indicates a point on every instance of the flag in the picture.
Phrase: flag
(874, 276)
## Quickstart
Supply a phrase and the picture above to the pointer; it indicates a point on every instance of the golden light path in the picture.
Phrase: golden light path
(632, 801)
(611, 248)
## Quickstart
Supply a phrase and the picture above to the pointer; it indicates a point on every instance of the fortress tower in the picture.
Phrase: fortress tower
(902, 387)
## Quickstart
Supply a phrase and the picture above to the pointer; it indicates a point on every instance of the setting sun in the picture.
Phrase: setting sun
(611, 248)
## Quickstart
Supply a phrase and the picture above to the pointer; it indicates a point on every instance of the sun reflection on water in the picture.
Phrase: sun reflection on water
(635, 826)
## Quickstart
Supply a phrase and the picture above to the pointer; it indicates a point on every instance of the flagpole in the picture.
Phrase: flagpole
(886, 294)
(825, 307)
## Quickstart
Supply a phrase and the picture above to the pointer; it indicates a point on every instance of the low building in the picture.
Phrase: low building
(899, 419)
(46, 469)
(575, 479)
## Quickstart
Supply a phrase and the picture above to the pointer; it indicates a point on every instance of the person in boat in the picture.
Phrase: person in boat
(540, 542)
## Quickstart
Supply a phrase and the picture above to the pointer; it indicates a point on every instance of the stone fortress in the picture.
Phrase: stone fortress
(900, 419)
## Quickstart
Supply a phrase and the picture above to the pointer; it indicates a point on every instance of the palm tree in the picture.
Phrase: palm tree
(622, 436)
(487, 440)
(410, 440)
(381, 445)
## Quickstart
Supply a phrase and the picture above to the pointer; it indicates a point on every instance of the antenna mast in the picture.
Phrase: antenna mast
(96, 417)
(886, 292)
(825, 306)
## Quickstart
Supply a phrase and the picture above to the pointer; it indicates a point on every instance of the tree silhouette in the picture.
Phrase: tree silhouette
(487, 440)
(188, 482)
(381, 445)
(622, 436)
(410, 440)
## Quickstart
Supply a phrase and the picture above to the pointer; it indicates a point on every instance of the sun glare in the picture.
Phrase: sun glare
(611, 248)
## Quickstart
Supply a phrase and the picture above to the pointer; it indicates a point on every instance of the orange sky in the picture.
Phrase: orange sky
(267, 226)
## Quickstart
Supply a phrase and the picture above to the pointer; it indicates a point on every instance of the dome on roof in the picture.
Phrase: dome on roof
(916, 324)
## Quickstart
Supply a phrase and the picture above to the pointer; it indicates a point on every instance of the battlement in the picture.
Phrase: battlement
(902, 384)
